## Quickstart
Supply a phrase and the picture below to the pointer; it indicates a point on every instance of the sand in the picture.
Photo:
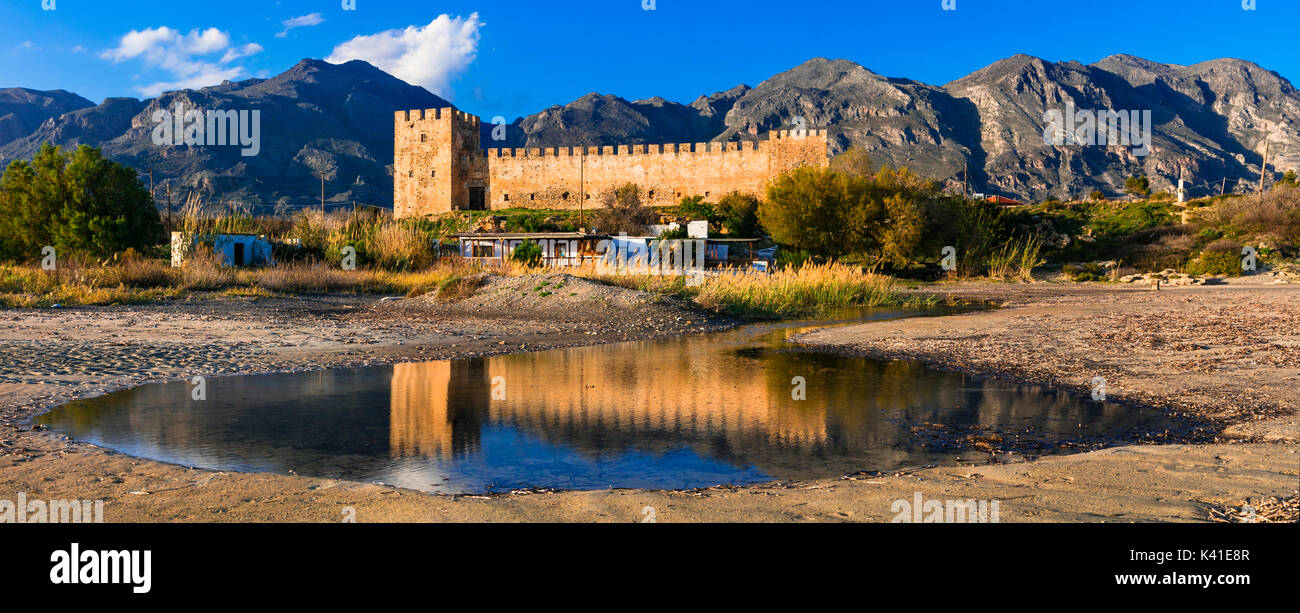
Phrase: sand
(1223, 356)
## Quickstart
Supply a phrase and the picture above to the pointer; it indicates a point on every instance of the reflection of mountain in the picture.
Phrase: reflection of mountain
(734, 407)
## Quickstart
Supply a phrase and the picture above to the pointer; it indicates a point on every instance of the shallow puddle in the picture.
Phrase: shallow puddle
(680, 412)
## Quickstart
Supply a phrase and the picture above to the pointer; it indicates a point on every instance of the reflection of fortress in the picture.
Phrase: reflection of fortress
(730, 407)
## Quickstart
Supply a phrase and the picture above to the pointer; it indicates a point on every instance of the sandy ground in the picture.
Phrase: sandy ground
(1228, 357)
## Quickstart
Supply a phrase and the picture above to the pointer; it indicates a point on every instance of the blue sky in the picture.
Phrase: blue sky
(517, 57)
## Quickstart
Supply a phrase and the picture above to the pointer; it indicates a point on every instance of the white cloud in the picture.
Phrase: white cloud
(182, 56)
(79, 49)
(235, 53)
(304, 21)
(430, 55)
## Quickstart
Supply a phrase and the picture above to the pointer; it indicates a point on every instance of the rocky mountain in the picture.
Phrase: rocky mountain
(898, 121)
(598, 120)
(1210, 122)
(23, 110)
(316, 119)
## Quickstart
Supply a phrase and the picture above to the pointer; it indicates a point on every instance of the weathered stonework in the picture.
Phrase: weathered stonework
(438, 166)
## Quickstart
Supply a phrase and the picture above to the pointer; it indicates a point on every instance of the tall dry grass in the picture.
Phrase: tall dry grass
(787, 292)
(1015, 260)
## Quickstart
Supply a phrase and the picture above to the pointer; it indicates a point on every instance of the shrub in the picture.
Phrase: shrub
(1091, 271)
(1222, 257)
(677, 233)
(1137, 185)
(1215, 263)
(623, 211)
(527, 253)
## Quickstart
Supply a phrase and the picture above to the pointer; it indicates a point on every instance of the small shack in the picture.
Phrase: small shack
(558, 248)
(231, 249)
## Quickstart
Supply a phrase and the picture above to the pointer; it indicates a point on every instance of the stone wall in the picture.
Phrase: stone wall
(437, 164)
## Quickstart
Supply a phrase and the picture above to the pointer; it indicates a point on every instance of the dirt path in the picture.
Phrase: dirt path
(1240, 370)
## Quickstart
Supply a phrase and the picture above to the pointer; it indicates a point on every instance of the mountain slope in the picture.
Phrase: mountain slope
(23, 110)
(1211, 121)
(316, 119)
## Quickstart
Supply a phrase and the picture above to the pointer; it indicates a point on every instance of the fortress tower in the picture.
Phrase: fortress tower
(437, 163)
(439, 166)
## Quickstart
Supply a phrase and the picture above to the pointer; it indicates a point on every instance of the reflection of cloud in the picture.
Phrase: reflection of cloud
(179, 54)
(430, 56)
(304, 21)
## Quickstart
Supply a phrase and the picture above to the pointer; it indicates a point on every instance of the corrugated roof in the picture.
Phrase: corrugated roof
(506, 235)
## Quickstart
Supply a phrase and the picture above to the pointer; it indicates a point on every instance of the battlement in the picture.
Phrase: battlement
(442, 114)
(796, 134)
(628, 150)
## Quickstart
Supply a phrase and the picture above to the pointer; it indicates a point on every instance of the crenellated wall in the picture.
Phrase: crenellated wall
(437, 172)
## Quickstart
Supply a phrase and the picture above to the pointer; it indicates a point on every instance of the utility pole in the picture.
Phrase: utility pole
(1224, 186)
(1182, 193)
(169, 206)
(965, 172)
(1263, 167)
(322, 193)
(582, 187)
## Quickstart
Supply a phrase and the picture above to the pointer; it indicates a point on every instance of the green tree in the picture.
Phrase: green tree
(695, 207)
(78, 202)
(1138, 186)
(737, 213)
(1288, 178)
(824, 212)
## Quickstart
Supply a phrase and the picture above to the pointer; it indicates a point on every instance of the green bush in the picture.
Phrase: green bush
(671, 234)
(527, 253)
(1137, 186)
(1222, 258)
(1090, 271)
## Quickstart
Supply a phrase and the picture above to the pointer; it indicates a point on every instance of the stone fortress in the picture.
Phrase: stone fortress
(439, 166)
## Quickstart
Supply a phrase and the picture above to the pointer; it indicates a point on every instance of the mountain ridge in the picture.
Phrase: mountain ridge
(1210, 121)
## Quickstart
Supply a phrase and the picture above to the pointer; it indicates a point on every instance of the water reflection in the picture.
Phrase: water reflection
(683, 412)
